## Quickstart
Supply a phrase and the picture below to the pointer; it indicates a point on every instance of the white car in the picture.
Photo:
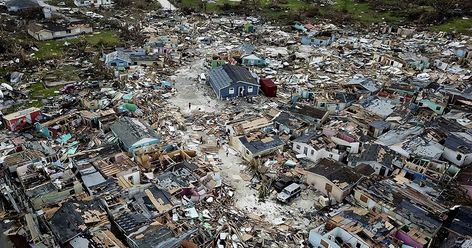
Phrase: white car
(269, 71)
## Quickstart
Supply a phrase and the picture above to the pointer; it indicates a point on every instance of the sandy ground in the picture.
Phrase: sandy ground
(166, 5)
(189, 90)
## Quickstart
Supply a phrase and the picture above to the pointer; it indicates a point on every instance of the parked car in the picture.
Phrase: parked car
(291, 191)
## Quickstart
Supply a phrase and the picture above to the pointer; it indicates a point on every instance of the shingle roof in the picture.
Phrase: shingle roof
(219, 78)
(335, 171)
(223, 76)
(238, 73)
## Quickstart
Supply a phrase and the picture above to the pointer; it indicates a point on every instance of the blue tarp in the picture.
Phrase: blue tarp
(64, 138)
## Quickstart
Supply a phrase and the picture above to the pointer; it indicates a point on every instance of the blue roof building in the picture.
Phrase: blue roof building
(229, 81)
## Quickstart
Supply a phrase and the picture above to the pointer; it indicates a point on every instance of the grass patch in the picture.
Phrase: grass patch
(37, 92)
(457, 25)
(63, 73)
(56, 48)
(363, 13)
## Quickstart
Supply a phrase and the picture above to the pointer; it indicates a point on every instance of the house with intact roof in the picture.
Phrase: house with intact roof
(49, 31)
(229, 81)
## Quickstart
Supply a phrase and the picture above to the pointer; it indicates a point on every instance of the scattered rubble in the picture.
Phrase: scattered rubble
(223, 131)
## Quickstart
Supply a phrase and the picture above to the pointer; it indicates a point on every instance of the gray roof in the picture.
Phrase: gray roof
(376, 153)
(458, 141)
(153, 237)
(257, 146)
(335, 171)
(130, 221)
(307, 137)
(379, 124)
(223, 76)
(131, 130)
(366, 83)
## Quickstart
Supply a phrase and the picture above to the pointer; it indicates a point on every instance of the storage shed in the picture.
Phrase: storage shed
(268, 87)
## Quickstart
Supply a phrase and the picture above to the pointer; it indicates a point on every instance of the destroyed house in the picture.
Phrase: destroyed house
(458, 148)
(95, 3)
(45, 184)
(74, 219)
(419, 216)
(299, 118)
(22, 119)
(49, 31)
(332, 178)
(381, 107)
(89, 175)
(246, 125)
(134, 134)
(253, 60)
(348, 140)
(376, 229)
(256, 145)
(459, 229)
(151, 201)
(319, 39)
(230, 81)
(464, 179)
(125, 171)
(140, 233)
(363, 84)
(23, 158)
(334, 101)
(399, 92)
(315, 146)
(178, 177)
(381, 158)
(159, 236)
(336, 238)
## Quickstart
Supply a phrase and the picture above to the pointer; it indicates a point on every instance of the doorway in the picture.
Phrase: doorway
(240, 91)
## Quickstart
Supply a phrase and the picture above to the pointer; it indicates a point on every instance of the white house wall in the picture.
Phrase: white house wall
(319, 183)
(317, 154)
(451, 156)
(353, 145)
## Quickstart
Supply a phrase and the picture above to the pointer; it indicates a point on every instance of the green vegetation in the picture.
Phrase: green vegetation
(38, 91)
(55, 48)
(363, 12)
(50, 49)
(457, 25)
(64, 73)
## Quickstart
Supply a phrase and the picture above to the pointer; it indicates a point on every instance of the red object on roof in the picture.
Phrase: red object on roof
(309, 26)
(268, 87)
